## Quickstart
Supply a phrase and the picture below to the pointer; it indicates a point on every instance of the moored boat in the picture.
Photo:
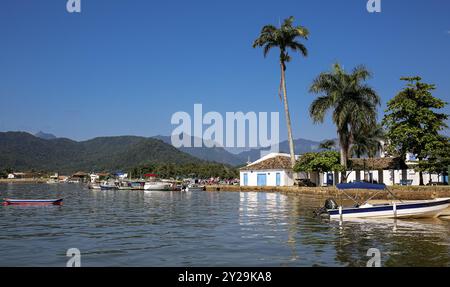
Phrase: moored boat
(32, 202)
(154, 184)
(106, 185)
(195, 187)
(414, 209)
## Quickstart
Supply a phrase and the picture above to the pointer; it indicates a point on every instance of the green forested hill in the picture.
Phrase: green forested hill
(23, 151)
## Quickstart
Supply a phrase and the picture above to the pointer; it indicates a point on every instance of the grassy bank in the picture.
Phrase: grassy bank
(401, 192)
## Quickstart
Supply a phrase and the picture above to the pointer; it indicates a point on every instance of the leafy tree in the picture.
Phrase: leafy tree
(324, 161)
(354, 104)
(284, 38)
(413, 123)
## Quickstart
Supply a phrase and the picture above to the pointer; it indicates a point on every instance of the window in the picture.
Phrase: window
(278, 179)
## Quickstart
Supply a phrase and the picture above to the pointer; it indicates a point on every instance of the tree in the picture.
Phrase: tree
(323, 161)
(367, 141)
(354, 104)
(327, 144)
(285, 38)
(413, 124)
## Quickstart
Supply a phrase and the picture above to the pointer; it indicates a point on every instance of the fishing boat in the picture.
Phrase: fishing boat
(411, 209)
(32, 202)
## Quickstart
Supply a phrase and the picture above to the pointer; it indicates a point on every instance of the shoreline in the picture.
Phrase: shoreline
(23, 180)
(401, 192)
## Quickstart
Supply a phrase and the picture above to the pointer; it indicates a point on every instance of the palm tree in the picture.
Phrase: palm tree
(368, 140)
(354, 104)
(327, 144)
(285, 38)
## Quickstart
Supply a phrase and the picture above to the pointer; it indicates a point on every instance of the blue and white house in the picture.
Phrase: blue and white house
(273, 169)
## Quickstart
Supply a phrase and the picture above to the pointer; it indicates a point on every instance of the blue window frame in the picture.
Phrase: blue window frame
(278, 179)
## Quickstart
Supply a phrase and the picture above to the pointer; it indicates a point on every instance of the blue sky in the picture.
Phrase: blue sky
(124, 67)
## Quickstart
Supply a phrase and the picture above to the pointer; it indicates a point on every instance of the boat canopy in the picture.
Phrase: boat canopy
(361, 185)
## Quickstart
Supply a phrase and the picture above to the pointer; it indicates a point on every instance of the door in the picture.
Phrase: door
(262, 179)
(245, 179)
(278, 179)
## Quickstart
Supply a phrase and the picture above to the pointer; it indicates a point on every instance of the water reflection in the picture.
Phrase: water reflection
(133, 228)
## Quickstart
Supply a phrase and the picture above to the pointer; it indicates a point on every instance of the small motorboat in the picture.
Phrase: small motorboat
(108, 185)
(412, 209)
(94, 186)
(195, 187)
(32, 202)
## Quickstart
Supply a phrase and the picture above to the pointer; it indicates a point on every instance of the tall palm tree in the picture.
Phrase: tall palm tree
(354, 104)
(284, 38)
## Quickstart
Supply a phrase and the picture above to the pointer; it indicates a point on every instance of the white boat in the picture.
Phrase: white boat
(156, 185)
(416, 209)
(195, 187)
(94, 186)
(108, 185)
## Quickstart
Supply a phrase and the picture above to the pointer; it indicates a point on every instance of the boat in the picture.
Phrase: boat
(156, 185)
(32, 202)
(94, 186)
(107, 185)
(137, 185)
(413, 209)
(195, 187)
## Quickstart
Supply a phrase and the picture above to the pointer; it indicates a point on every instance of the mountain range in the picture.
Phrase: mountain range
(44, 151)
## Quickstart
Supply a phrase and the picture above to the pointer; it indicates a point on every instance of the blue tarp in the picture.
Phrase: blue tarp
(360, 185)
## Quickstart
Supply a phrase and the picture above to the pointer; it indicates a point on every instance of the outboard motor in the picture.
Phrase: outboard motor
(329, 204)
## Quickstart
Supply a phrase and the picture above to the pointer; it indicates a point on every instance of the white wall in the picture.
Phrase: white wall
(391, 177)
(286, 177)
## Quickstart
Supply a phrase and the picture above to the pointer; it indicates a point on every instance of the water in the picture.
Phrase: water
(133, 228)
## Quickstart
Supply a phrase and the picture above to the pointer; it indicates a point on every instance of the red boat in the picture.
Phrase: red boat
(32, 202)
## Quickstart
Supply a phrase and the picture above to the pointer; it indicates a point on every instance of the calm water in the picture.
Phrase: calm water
(133, 228)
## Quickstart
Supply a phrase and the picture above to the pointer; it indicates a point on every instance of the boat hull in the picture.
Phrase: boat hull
(197, 188)
(422, 209)
(33, 202)
(156, 186)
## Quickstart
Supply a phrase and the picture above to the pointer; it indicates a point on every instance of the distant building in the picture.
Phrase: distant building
(271, 170)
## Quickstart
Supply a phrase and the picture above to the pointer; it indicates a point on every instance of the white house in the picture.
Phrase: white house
(387, 170)
(273, 169)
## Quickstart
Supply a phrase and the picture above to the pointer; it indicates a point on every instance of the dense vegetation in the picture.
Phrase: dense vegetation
(25, 152)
